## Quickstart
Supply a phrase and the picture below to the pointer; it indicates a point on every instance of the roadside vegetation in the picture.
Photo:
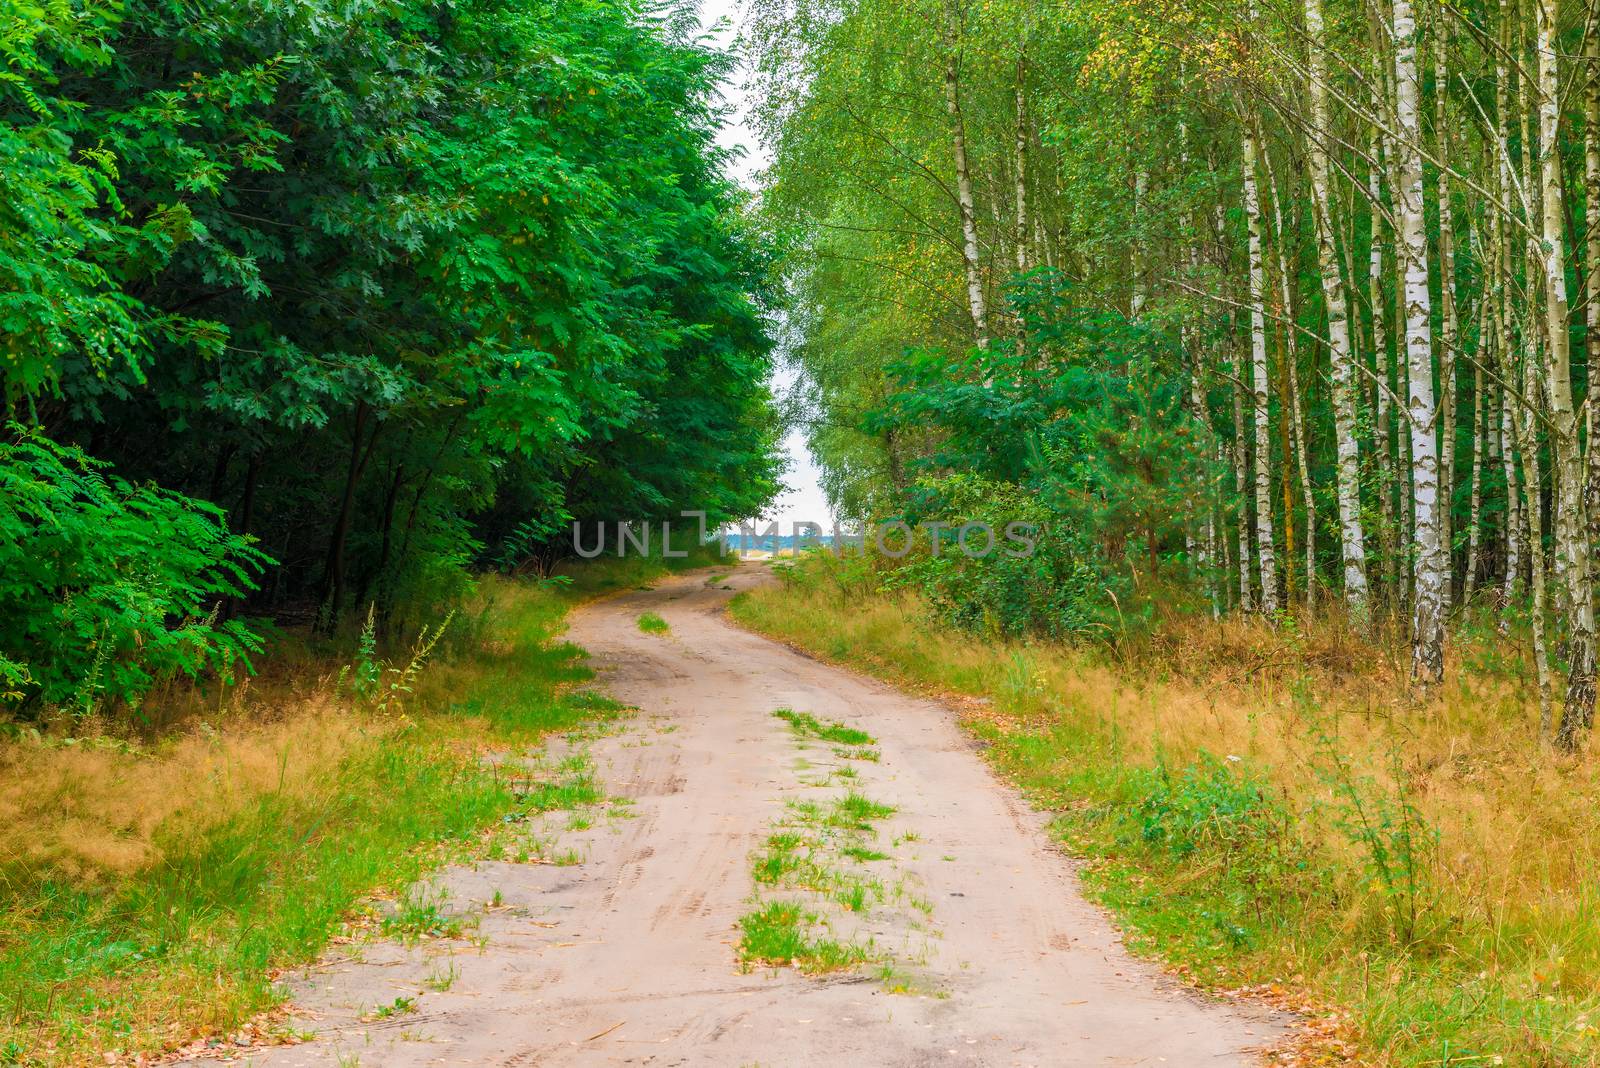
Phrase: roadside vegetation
(1268, 806)
(154, 883)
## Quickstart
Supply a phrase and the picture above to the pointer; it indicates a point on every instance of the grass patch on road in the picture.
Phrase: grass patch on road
(650, 623)
(782, 934)
(806, 726)
(819, 849)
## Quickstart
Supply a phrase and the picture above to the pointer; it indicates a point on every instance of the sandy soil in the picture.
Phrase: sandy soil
(629, 957)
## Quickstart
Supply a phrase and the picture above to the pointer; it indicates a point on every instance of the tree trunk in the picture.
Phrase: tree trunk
(1480, 438)
(1241, 479)
(1427, 620)
(1449, 314)
(1295, 433)
(333, 572)
(1021, 163)
(1591, 142)
(1528, 446)
(1573, 548)
(1383, 428)
(1258, 379)
(969, 221)
(1352, 537)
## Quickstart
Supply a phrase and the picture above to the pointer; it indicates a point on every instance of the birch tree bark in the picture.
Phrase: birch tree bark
(1450, 332)
(976, 305)
(1383, 428)
(1427, 620)
(1021, 163)
(1591, 171)
(1258, 378)
(1352, 538)
(1578, 711)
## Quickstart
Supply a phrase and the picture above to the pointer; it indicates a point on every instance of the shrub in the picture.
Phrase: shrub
(1055, 590)
(105, 586)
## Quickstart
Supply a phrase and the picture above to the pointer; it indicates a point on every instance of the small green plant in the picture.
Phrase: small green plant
(421, 916)
(856, 812)
(441, 979)
(779, 933)
(1396, 841)
(400, 1006)
(383, 685)
(806, 726)
(650, 623)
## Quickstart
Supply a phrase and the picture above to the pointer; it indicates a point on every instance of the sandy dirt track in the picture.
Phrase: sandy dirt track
(629, 957)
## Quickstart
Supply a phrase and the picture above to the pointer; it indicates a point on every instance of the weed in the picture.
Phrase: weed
(863, 853)
(420, 916)
(651, 623)
(805, 725)
(779, 933)
(440, 980)
(400, 1006)
(856, 812)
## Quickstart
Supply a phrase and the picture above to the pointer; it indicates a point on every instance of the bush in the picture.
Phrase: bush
(1054, 591)
(105, 587)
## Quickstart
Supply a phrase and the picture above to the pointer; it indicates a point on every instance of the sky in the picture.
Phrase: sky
(805, 501)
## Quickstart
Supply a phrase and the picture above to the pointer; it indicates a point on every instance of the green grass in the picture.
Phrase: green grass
(651, 623)
(182, 948)
(807, 726)
(781, 933)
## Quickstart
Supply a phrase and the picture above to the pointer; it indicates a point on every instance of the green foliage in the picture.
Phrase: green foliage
(1052, 586)
(1071, 445)
(106, 587)
(650, 623)
(403, 291)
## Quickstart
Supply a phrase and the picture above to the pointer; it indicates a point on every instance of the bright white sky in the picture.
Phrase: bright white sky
(805, 502)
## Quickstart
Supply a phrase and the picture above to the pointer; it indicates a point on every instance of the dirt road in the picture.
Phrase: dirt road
(630, 957)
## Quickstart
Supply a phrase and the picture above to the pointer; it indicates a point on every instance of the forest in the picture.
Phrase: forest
(311, 311)
(1292, 303)
(1272, 323)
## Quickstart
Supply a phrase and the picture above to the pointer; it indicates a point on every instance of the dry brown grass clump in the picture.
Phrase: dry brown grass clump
(94, 809)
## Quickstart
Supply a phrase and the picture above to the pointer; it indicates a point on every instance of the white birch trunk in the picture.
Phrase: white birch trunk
(1427, 621)
(1258, 379)
(1450, 332)
(1573, 545)
(1021, 164)
(1591, 171)
(1383, 366)
(976, 305)
(1352, 537)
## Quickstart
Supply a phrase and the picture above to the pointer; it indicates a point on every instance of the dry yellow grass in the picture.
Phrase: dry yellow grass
(95, 809)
